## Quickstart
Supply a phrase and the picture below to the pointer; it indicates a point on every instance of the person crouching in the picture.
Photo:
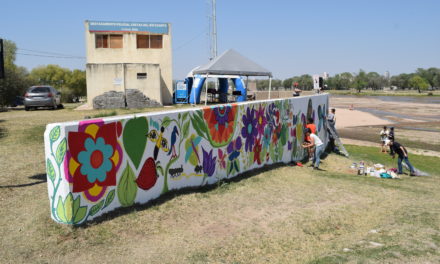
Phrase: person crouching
(402, 154)
(315, 142)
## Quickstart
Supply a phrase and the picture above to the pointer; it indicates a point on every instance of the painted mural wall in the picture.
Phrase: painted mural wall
(95, 166)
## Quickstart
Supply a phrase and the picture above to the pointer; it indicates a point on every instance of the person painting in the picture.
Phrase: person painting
(315, 143)
(331, 117)
(383, 138)
(402, 154)
(310, 125)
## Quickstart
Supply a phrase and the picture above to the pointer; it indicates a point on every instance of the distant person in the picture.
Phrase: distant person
(315, 143)
(402, 153)
(331, 121)
(383, 138)
(391, 134)
(331, 117)
(310, 125)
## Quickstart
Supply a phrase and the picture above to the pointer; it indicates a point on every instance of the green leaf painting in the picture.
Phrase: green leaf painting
(96, 208)
(127, 187)
(61, 151)
(50, 170)
(80, 214)
(54, 134)
(166, 122)
(70, 211)
(60, 210)
(109, 198)
(135, 139)
(185, 116)
(186, 129)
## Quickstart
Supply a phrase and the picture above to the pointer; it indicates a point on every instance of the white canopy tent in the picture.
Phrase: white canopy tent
(232, 63)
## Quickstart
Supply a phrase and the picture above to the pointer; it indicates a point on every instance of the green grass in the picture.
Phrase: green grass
(104, 114)
(428, 164)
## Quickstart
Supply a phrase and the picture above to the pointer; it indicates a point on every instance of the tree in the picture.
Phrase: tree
(288, 83)
(361, 80)
(419, 83)
(77, 83)
(72, 84)
(15, 82)
(401, 80)
(340, 81)
(430, 75)
(375, 81)
(51, 74)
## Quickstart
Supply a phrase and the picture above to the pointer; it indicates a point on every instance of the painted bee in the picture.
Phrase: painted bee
(161, 142)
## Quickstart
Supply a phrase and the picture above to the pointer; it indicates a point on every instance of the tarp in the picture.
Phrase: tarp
(232, 63)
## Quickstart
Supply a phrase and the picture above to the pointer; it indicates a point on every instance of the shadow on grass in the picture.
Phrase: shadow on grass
(224, 183)
(3, 132)
(40, 177)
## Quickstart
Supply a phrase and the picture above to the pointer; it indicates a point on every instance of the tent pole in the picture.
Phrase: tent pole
(270, 85)
(246, 88)
(206, 90)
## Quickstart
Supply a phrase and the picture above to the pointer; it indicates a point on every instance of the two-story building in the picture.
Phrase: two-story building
(129, 55)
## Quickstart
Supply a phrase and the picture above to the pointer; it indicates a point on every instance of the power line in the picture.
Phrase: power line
(191, 40)
(50, 56)
(50, 53)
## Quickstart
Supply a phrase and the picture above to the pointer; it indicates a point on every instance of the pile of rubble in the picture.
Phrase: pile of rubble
(132, 98)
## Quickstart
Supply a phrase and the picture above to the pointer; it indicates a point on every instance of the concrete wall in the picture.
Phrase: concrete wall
(118, 77)
(130, 54)
(96, 166)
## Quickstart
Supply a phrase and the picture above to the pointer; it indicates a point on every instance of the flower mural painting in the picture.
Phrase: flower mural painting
(208, 162)
(168, 151)
(234, 149)
(257, 151)
(221, 159)
(261, 120)
(220, 122)
(94, 157)
(249, 130)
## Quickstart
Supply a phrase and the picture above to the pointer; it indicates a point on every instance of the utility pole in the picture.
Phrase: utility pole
(2, 64)
(213, 31)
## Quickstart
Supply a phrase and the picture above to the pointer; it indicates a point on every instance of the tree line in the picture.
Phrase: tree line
(421, 79)
(71, 83)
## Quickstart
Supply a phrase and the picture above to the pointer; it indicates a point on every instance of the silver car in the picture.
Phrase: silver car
(42, 96)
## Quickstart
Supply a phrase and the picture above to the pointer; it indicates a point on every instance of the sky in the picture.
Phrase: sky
(287, 37)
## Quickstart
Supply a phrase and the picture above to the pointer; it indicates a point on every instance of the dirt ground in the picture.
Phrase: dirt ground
(417, 125)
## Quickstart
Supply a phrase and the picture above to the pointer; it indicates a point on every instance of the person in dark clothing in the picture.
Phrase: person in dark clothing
(402, 154)
(391, 134)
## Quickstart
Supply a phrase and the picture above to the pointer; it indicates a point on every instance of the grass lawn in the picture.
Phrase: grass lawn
(282, 215)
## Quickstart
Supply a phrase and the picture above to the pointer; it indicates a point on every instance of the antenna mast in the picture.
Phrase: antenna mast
(213, 31)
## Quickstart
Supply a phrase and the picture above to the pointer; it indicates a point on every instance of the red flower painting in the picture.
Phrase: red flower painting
(94, 156)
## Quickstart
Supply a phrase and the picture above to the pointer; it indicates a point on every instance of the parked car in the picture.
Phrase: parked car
(42, 96)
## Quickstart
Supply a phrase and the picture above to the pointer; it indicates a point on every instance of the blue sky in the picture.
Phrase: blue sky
(287, 37)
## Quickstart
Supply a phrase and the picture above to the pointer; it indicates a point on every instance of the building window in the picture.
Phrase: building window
(156, 41)
(101, 41)
(141, 75)
(143, 41)
(108, 41)
(149, 41)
